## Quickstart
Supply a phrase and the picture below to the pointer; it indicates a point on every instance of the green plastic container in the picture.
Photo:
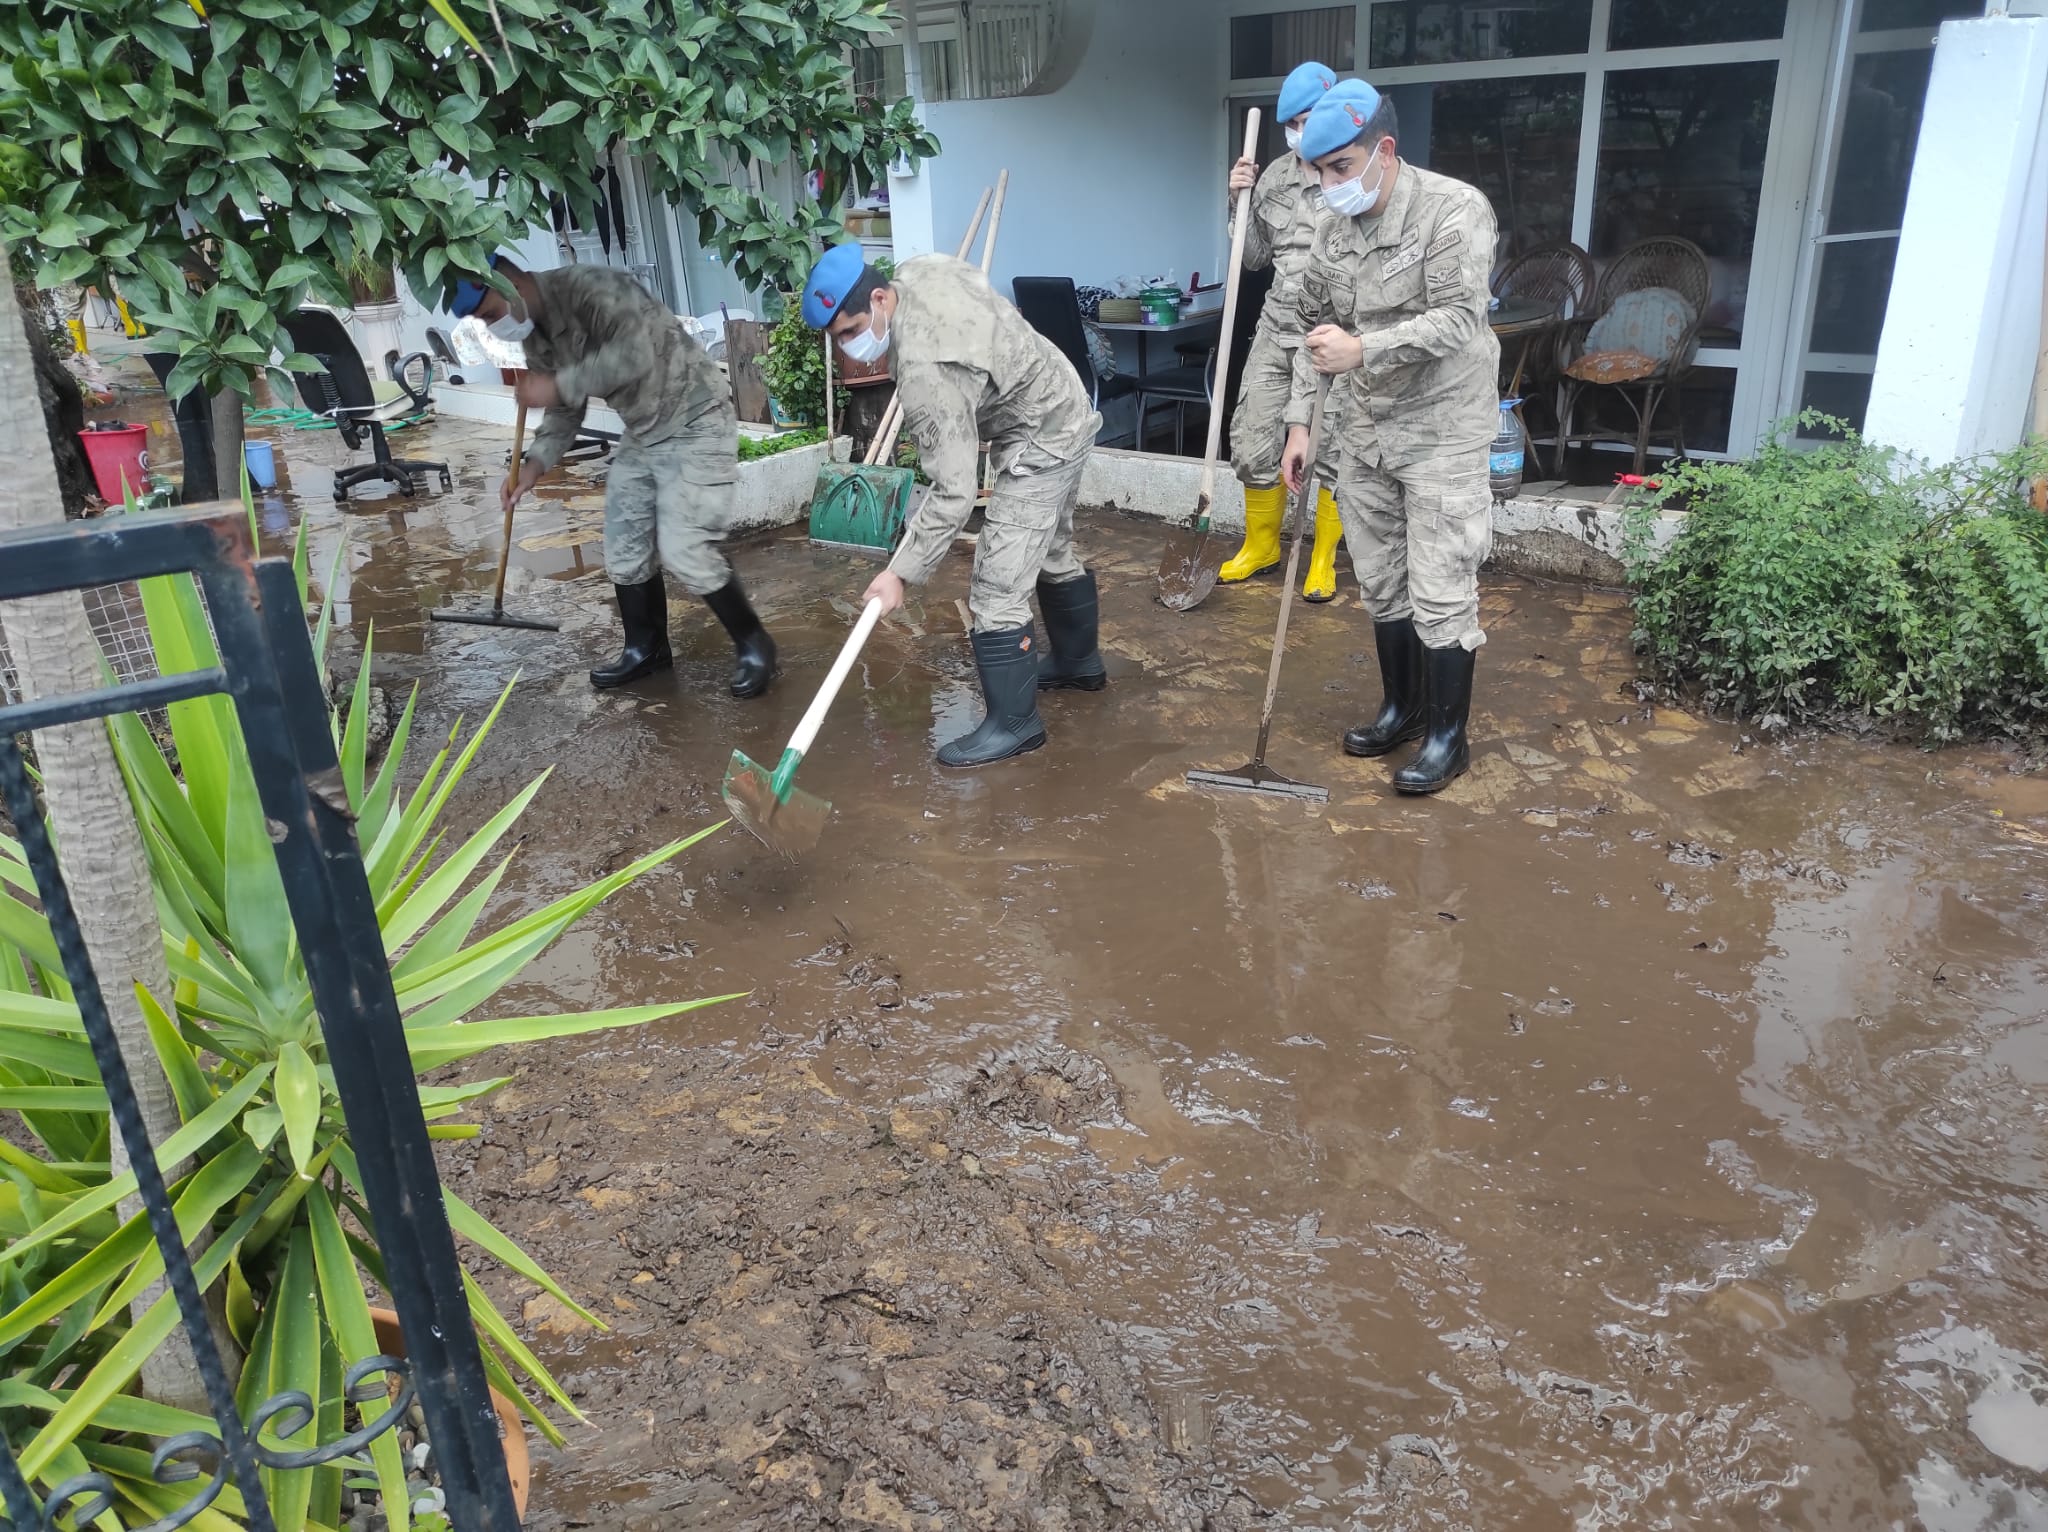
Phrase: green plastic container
(1161, 305)
(857, 506)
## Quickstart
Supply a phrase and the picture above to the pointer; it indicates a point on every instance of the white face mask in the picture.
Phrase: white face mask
(1350, 199)
(1294, 138)
(510, 330)
(864, 345)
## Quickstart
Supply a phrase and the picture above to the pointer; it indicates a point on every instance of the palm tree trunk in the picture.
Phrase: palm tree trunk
(55, 653)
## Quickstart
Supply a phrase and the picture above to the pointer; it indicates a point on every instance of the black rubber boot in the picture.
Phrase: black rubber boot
(1444, 754)
(756, 650)
(643, 609)
(1071, 661)
(1008, 662)
(1403, 715)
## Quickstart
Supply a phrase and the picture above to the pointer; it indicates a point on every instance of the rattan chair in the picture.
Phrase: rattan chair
(1646, 384)
(1560, 276)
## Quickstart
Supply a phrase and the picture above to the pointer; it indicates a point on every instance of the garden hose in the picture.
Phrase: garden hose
(306, 420)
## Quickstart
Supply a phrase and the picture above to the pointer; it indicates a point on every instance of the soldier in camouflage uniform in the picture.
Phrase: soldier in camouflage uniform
(1396, 294)
(1287, 205)
(969, 369)
(593, 332)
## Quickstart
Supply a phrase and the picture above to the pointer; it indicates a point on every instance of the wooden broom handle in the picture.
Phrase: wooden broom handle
(883, 447)
(1221, 390)
(505, 553)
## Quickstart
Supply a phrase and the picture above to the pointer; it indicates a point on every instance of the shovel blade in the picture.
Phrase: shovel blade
(791, 827)
(1188, 569)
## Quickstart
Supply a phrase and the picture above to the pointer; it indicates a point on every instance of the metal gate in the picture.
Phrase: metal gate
(267, 671)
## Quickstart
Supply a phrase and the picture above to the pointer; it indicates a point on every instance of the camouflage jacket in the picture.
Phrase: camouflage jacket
(1412, 285)
(969, 369)
(604, 336)
(1287, 208)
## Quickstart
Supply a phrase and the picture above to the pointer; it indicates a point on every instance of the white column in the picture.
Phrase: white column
(1962, 330)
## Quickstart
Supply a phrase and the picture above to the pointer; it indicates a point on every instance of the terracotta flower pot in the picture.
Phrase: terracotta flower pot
(518, 1466)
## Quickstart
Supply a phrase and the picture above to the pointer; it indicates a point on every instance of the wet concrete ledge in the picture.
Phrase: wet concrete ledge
(1553, 536)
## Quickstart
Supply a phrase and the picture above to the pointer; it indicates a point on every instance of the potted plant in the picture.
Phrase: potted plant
(269, 1177)
(375, 310)
(794, 370)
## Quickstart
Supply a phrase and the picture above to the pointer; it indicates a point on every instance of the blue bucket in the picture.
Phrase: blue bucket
(262, 463)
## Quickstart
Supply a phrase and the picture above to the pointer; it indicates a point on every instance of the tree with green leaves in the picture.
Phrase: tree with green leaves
(225, 163)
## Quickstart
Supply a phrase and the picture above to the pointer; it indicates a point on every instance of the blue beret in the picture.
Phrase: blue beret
(831, 280)
(1339, 120)
(1301, 90)
(469, 294)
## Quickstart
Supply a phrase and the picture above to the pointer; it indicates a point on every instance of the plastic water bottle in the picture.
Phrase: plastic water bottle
(1504, 458)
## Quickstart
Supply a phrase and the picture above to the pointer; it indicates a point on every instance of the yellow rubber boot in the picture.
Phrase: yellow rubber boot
(1263, 509)
(1321, 582)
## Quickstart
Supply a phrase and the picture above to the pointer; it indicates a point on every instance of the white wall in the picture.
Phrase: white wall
(1962, 329)
(1117, 174)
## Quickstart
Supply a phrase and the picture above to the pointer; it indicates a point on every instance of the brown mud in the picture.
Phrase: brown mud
(1650, 1132)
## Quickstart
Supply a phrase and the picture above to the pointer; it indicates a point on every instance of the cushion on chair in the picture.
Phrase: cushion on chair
(1640, 335)
(1612, 367)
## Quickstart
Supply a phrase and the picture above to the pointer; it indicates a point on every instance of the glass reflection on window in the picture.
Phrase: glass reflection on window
(1517, 140)
(1682, 152)
(1458, 31)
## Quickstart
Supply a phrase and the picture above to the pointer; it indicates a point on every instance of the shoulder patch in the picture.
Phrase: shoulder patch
(1444, 242)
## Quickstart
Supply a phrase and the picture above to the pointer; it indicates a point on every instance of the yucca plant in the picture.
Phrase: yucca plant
(268, 1181)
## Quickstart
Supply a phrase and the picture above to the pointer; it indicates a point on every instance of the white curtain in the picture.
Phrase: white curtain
(1323, 35)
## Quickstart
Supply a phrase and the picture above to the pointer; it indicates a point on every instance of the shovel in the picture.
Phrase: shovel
(1255, 776)
(497, 616)
(768, 803)
(1188, 568)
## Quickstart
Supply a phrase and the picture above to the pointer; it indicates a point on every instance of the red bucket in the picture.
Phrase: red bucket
(117, 453)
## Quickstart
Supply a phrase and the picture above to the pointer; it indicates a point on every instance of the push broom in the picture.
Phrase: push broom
(497, 616)
(769, 803)
(1255, 776)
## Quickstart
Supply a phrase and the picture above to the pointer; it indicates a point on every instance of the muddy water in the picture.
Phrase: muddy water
(1650, 1132)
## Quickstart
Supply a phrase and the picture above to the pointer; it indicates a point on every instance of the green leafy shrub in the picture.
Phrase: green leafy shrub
(752, 447)
(270, 1174)
(794, 369)
(1849, 578)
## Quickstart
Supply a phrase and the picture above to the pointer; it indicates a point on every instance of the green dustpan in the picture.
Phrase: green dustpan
(860, 505)
(769, 803)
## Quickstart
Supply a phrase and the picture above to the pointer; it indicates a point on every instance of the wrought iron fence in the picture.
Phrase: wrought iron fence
(267, 670)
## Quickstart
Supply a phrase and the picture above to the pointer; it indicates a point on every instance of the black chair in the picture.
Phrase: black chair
(1180, 387)
(1052, 308)
(443, 353)
(343, 394)
(194, 414)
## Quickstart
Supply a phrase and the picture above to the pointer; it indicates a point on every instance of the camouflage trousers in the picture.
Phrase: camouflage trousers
(1028, 535)
(1258, 426)
(667, 504)
(1418, 535)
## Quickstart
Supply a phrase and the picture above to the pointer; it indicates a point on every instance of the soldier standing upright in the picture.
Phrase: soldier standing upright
(1287, 205)
(969, 369)
(1396, 298)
